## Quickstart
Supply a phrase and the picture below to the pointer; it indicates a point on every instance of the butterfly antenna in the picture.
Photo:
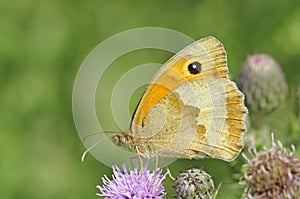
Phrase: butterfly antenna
(93, 134)
(88, 136)
(91, 147)
(88, 149)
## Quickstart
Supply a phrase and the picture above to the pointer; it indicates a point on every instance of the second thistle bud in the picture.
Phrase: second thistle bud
(194, 183)
(263, 83)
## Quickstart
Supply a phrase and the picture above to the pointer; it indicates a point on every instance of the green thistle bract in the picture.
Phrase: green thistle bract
(263, 83)
(194, 183)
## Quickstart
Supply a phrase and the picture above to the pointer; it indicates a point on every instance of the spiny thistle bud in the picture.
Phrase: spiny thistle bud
(273, 173)
(194, 183)
(263, 83)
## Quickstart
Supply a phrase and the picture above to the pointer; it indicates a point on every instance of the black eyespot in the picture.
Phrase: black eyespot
(194, 67)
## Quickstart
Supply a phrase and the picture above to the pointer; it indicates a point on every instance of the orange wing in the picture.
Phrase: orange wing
(209, 52)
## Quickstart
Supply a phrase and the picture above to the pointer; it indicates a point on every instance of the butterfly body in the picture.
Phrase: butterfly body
(191, 109)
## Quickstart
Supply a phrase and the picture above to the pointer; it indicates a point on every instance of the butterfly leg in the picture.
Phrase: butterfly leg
(154, 179)
(170, 175)
(141, 162)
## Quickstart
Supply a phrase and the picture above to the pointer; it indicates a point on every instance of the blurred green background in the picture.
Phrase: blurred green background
(43, 44)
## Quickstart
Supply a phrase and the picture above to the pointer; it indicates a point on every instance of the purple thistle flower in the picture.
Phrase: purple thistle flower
(133, 184)
(273, 173)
